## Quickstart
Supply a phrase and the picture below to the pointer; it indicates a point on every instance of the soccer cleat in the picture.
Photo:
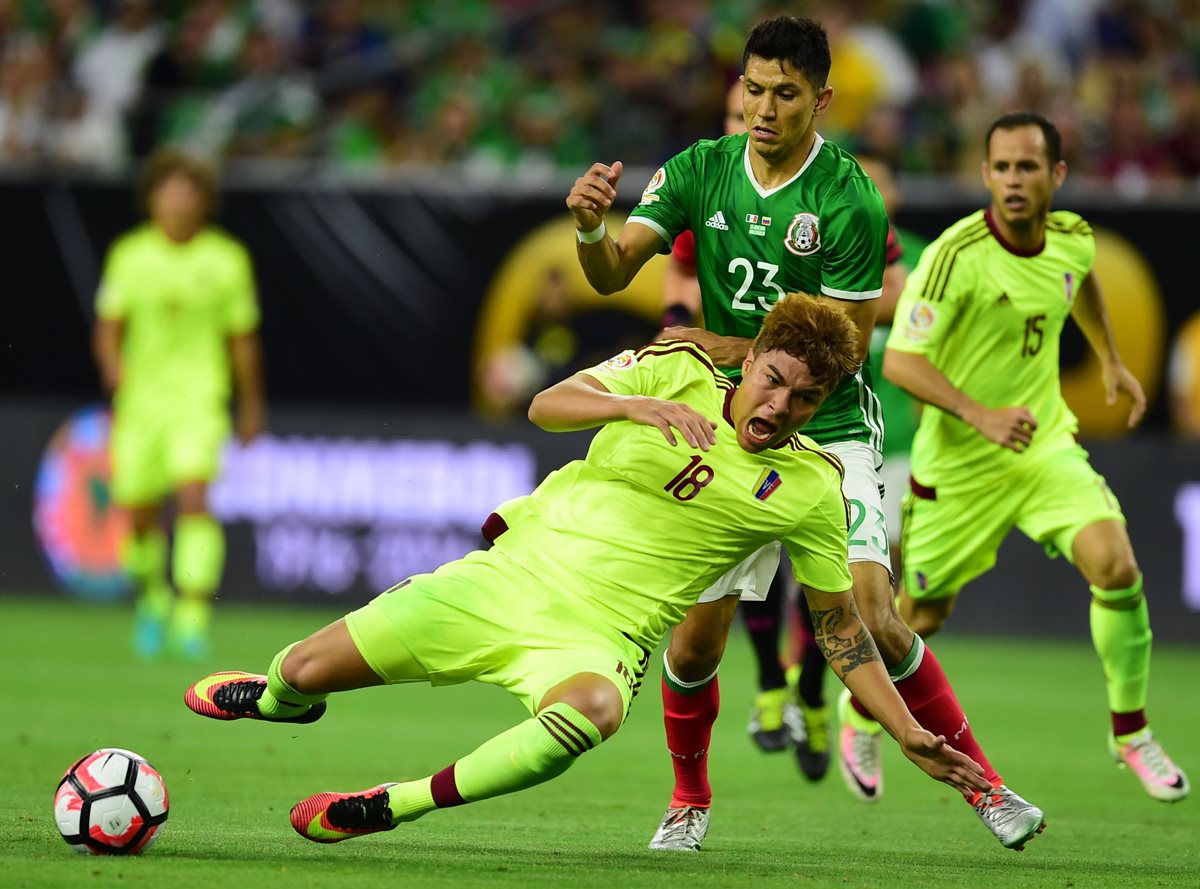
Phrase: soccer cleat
(333, 817)
(767, 720)
(234, 695)
(191, 647)
(859, 753)
(1012, 820)
(682, 829)
(811, 742)
(1144, 756)
(150, 624)
(149, 635)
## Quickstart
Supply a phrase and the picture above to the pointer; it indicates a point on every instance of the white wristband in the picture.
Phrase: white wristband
(593, 236)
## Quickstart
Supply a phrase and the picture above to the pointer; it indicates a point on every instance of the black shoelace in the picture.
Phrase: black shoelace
(359, 812)
(239, 697)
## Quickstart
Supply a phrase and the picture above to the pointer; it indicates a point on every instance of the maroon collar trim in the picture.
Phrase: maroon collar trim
(1008, 245)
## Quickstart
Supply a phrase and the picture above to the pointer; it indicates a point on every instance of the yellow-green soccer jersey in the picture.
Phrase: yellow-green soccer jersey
(989, 317)
(180, 304)
(824, 231)
(637, 530)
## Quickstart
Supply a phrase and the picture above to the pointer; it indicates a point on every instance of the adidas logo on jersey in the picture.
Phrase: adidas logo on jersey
(717, 221)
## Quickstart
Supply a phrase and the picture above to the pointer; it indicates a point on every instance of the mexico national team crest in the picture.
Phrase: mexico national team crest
(803, 234)
(768, 484)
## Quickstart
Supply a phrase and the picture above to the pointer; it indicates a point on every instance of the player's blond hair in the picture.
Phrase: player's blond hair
(815, 332)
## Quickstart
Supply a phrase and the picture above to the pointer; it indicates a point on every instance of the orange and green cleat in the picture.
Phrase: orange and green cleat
(333, 817)
(233, 694)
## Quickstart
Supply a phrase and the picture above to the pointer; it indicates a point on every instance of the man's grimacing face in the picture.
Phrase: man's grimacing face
(776, 397)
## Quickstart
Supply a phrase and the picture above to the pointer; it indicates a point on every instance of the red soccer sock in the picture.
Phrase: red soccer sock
(689, 720)
(928, 694)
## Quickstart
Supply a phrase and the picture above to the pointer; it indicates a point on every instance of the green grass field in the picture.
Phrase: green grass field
(1038, 708)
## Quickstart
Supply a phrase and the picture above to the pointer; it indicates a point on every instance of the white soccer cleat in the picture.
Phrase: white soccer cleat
(682, 829)
(860, 754)
(1144, 756)
(1012, 820)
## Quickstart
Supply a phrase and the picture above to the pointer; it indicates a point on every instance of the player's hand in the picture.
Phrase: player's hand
(1117, 378)
(1009, 427)
(941, 761)
(696, 429)
(593, 194)
(725, 351)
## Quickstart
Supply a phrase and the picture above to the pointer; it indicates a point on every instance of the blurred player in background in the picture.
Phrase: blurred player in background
(177, 321)
(778, 210)
(979, 344)
(566, 607)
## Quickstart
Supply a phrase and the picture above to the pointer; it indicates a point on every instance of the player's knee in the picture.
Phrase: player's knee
(925, 617)
(925, 622)
(694, 659)
(1119, 572)
(602, 706)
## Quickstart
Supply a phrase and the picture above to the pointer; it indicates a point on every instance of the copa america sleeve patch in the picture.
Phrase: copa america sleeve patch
(626, 360)
(649, 195)
(920, 320)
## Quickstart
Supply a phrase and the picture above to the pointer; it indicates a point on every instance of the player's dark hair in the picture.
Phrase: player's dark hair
(1016, 119)
(168, 162)
(814, 332)
(801, 42)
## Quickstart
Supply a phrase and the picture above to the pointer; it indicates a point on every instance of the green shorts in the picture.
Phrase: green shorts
(485, 618)
(951, 539)
(153, 453)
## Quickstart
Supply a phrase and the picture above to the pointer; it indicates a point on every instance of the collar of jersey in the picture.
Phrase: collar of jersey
(1008, 245)
(818, 141)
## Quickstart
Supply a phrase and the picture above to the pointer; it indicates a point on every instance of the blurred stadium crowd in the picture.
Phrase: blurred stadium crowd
(516, 88)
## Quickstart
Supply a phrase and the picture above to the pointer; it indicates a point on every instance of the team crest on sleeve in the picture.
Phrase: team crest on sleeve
(624, 361)
(920, 320)
(656, 182)
(768, 483)
(803, 234)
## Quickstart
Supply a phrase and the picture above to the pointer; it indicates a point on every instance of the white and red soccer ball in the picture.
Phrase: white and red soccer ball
(111, 802)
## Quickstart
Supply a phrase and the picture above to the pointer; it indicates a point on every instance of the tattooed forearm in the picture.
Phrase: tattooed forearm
(843, 638)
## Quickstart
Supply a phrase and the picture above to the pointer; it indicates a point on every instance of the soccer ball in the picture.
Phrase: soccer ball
(111, 802)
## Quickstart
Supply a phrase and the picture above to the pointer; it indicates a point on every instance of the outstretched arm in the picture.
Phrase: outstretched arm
(582, 402)
(608, 265)
(1009, 427)
(848, 647)
(1091, 315)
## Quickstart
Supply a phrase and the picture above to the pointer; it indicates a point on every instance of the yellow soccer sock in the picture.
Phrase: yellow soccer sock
(1120, 623)
(199, 555)
(280, 699)
(534, 751)
(144, 558)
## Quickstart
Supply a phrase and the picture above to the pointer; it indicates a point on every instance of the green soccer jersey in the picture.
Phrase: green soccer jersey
(639, 529)
(989, 318)
(823, 231)
(180, 304)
